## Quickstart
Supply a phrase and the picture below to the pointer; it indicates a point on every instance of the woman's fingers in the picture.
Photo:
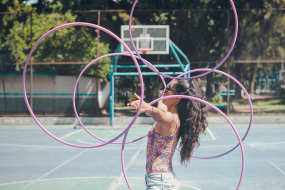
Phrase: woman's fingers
(136, 103)
(137, 96)
(133, 103)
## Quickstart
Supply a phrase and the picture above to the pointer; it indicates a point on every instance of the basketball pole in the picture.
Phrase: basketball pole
(228, 67)
(97, 71)
(31, 65)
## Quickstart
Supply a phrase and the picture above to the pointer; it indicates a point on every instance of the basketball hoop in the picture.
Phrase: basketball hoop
(148, 39)
(145, 44)
(144, 52)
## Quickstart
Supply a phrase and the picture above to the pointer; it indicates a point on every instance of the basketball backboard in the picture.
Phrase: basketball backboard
(148, 39)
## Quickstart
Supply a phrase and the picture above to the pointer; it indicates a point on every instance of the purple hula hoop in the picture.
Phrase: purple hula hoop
(249, 101)
(74, 93)
(223, 60)
(192, 71)
(150, 66)
(203, 101)
(24, 86)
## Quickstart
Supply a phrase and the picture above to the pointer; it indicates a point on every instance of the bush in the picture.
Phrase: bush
(218, 98)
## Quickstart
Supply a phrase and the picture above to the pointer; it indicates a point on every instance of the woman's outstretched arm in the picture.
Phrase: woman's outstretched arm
(164, 118)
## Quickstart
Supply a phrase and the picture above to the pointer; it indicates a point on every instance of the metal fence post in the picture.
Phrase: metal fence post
(112, 97)
(228, 67)
(77, 70)
(5, 100)
(97, 72)
(260, 81)
(31, 65)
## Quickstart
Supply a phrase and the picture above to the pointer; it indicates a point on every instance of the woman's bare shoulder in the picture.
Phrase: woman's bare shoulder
(167, 130)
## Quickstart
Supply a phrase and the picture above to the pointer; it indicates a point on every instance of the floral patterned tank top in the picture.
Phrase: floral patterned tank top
(160, 150)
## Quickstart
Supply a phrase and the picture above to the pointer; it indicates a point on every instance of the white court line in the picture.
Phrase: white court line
(210, 132)
(69, 134)
(74, 178)
(272, 143)
(217, 146)
(35, 146)
(54, 179)
(277, 167)
(211, 146)
(59, 165)
(254, 144)
(119, 145)
(54, 169)
(115, 183)
(78, 140)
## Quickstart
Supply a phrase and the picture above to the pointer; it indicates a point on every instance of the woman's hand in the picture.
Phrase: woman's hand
(145, 106)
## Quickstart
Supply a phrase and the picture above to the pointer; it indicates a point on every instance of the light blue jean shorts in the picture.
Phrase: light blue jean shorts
(161, 181)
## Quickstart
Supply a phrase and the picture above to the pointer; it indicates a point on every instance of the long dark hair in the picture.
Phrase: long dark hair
(193, 117)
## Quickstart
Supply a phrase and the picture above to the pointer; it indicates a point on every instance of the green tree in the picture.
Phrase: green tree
(259, 39)
(17, 7)
(69, 44)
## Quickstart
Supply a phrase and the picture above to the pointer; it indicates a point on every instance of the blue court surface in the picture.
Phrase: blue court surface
(32, 160)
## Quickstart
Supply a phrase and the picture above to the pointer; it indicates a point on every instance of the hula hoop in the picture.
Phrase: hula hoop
(196, 70)
(150, 66)
(24, 85)
(249, 101)
(202, 101)
(223, 60)
(74, 93)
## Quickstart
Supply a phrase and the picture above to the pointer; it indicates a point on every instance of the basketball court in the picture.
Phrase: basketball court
(31, 160)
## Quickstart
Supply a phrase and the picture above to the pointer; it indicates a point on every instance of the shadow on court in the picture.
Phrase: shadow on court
(32, 160)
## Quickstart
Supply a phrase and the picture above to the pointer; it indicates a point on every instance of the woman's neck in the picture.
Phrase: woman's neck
(172, 109)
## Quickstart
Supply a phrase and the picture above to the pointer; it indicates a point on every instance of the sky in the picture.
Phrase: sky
(29, 2)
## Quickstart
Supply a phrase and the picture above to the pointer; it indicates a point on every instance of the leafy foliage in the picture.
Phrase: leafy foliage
(69, 44)
(218, 98)
(201, 35)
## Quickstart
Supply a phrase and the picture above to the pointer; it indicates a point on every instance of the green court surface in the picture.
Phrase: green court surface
(32, 160)
(86, 184)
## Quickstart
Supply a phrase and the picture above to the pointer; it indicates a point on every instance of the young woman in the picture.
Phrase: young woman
(176, 119)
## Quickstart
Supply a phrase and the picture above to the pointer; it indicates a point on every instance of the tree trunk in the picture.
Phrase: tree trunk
(209, 87)
(238, 68)
(252, 78)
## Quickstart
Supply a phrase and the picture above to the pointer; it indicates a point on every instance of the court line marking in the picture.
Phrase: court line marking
(210, 146)
(277, 167)
(116, 182)
(74, 178)
(58, 166)
(272, 143)
(263, 125)
(51, 179)
(253, 144)
(69, 134)
(30, 146)
(126, 147)
(78, 140)
(217, 146)
(54, 169)
(210, 132)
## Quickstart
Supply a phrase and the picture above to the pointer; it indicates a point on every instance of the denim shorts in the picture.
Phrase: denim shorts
(161, 181)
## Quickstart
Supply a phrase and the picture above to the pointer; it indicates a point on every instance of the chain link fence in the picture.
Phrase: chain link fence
(203, 35)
